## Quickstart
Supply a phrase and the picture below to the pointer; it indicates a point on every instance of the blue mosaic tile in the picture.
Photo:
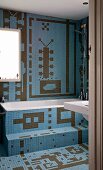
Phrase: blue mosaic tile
(37, 140)
(73, 157)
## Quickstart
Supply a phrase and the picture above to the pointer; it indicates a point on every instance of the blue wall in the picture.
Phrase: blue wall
(49, 57)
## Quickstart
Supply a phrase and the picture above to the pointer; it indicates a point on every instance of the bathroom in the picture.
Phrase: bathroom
(36, 131)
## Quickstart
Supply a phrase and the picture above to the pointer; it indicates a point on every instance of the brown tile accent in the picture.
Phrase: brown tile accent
(1, 89)
(18, 168)
(84, 146)
(22, 153)
(74, 161)
(17, 88)
(43, 83)
(6, 88)
(30, 36)
(45, 133)
(69, 120)
(30, 63)
(51, 51)
(19, 17)
(30, 168)
(30, 49)
(40, 73)
(32, 124)
(30, 78)
(49, 109)
(73, 118)
(40, 51)
(54, 21)
(17, 121)
(23, 95)
(77, 151)
(30, 21)
(79, 135)
(6, 15)
(51, 59)
(45, 95)
(46, 62)
(21, 143)
(27, 163)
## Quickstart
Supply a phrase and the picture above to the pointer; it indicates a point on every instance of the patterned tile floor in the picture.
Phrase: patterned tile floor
(74, 157)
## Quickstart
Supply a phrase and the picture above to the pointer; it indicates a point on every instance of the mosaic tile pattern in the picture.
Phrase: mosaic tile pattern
(45, 44)
(28, 131)
(66, 158)
(40, 119)
(37, 140)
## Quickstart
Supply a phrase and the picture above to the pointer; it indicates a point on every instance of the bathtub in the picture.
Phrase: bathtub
(31, 126)
(30, 105)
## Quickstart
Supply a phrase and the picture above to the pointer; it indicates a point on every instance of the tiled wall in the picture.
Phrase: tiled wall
(48, 56)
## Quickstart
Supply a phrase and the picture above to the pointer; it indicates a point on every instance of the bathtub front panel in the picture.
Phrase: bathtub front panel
(29, 120)
(28, 131)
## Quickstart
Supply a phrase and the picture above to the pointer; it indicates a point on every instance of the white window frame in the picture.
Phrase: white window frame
(17, 77)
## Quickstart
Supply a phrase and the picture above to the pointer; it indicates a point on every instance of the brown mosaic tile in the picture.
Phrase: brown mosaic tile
(21, 143)
(31, 116)
(68, 120)
(19, 168)
(57, 88)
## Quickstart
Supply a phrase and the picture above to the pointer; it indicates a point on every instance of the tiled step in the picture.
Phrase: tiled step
(21, 143)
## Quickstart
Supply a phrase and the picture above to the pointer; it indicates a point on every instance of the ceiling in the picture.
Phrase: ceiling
(71, 9)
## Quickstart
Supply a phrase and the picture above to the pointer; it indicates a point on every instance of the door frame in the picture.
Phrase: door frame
(95, 85)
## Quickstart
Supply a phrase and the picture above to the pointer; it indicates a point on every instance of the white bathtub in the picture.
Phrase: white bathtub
(30, 105)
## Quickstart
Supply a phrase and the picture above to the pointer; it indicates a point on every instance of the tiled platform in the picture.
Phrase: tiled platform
(73, 157)
(37, 140)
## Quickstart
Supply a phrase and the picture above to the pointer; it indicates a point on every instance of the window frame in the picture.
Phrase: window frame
(19, 46)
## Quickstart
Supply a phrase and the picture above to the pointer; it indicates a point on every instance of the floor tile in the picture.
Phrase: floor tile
(74, 157)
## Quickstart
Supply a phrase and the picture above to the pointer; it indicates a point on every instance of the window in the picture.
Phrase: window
(9, 55)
